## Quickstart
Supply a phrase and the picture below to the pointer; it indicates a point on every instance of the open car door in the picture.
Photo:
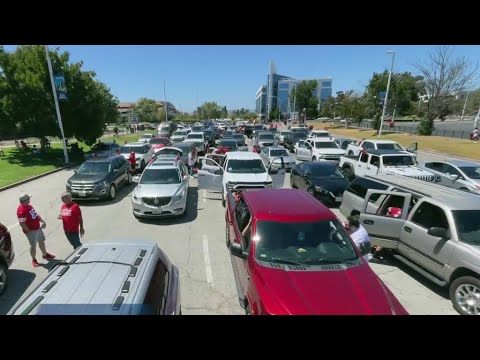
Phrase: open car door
(212, 162)
(278, 176)
(412, 148)
(210, 179)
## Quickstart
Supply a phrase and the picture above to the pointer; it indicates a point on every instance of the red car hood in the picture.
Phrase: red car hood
(350, 291)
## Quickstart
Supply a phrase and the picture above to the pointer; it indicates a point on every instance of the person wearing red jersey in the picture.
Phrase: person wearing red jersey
(71, 215)
(30, 221)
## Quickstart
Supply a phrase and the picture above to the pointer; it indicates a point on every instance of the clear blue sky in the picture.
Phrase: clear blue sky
(231, 75)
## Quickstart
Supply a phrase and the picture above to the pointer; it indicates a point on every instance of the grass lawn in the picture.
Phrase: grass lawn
(18, 165)
(448, 146)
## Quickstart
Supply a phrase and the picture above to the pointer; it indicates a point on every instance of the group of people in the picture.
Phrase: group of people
(33, 224)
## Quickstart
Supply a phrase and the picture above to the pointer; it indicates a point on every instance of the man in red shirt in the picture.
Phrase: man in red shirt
(71, 215)
(30, 221)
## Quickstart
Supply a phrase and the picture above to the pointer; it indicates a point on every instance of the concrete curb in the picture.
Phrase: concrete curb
(36, 177)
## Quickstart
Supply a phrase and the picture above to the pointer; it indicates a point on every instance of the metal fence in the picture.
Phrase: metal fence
(451, 133)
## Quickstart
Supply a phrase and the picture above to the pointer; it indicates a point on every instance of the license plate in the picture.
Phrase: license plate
(82, 194)
(157, 212)
(338, 198)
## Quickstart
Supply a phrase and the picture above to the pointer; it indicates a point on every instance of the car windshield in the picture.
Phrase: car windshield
(284, 132)
(468, 226)
(184, 147)
(167, 151)
(473, 172)
(254, 166)
(129, 149)
(330, 172)
(238, 136)
(197, 128)
(94, 168)
(160, 176)
(101, 147)
(326, 145)
(195, 136)
(398, 160)
(309, 243)
(266, 137)
(279, 152)
(180, 133)
(322, 134)
(232, 144)
(390, 146)
(156, 141)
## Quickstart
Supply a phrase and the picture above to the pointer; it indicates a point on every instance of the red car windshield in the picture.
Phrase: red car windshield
(303, 243)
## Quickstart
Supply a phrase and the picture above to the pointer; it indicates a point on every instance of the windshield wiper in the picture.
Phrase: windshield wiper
(284, 261)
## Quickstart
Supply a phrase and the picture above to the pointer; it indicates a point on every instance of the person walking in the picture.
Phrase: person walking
(72, 218)
(30, 221)
(192, 160)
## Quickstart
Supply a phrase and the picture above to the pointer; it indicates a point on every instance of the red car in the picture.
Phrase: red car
(159, 142)
(295, 258)
(6, 256)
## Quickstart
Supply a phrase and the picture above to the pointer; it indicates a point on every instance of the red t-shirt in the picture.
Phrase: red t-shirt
(28, 215)
(71, 215)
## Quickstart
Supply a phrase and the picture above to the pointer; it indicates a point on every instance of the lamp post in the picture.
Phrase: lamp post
(464, 106)
(386, 93)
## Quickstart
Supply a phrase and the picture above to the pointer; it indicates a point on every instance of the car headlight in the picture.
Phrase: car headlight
(320, 189)
(179, 195)
(101, 183)
(136, 197)
(269, 185)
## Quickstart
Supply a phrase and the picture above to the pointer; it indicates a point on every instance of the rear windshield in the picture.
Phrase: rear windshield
(468, 225)
(393, 146)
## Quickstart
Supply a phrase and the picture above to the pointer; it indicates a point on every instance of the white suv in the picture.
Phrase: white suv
(315, 149)
(143, 153)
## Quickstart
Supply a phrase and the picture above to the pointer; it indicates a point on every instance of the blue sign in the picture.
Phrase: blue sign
(60, 87)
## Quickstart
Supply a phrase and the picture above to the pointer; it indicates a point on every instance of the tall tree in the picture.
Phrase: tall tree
(303, 97)
(147, 110)
(444, 76)
(210, 110)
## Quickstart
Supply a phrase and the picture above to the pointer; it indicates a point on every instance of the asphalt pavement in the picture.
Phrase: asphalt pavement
(196, 244)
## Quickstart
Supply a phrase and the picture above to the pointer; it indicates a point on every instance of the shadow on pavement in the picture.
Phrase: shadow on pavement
(123, 192)
(191, 215)
(389, 260)
(18, 283)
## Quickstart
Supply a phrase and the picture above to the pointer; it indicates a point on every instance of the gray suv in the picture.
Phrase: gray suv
(432, 229)
(108, 278)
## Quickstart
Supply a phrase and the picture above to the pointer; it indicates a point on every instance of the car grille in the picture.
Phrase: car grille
(82, 187)
(157, 201)
(430, 178)
(331, 157)
(247, 186)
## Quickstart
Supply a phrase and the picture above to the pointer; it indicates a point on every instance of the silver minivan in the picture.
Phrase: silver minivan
(108, 278)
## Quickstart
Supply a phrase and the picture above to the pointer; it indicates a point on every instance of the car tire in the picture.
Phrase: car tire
(292, 182)
(457, 291)
(248, 310)
(349, 173)
(465, 189)
(112, 192)
(3, 278)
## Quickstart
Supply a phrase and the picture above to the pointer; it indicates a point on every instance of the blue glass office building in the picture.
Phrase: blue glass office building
(276, 94)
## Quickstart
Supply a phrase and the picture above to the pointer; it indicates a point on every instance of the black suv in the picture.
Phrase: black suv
(100, 178)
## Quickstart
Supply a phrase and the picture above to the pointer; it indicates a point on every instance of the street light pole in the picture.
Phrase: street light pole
(166, 107)
(464, 106)
(57, 107)
(294, 100)
(386, 93)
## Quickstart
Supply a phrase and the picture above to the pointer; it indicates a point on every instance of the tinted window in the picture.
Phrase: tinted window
(309, 243)
(156, 141)
(364, 158)
(396, 160)
(368, 145)
(195, 136)
(330, 172)
(429, 215)
(228, 143)
(95, 168)
(449, 169)
(266, 137)
(326, 145)
(278, 152)
(473, 172)
(468, 226)
(434, 166)
(394, 146)
(160, 176)
(156, 295)
(129, 149)
(246, 166)
(101, 147)
(360, 186)
(375, 160)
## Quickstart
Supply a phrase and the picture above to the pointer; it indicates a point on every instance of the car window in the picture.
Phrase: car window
(428, 215)
(392, 206)
(360, 186)
(155, 298)
(468, 226)
(436, 166)
(368, 145)
(364, 158)
(375, 160)
(449, 169)
(242, 215)
(473, 172)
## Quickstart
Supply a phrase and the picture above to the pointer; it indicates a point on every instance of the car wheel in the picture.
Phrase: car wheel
(349, 174)
(112, 192)
(3, 278)
(465, 295)
(292, 182)
(248, 310)
(465, 189)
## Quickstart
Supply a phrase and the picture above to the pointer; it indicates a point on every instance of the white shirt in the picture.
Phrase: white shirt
(191, 160)
(359, 237)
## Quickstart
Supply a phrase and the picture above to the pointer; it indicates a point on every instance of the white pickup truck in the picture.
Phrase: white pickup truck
(315, 149)
(197, 138)
(386, 162)
(356, 149)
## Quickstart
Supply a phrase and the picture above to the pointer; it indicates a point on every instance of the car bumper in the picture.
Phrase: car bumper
(142, 210)
(288, 166)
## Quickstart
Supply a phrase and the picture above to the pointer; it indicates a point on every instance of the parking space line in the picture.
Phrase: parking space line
(204, 192)
(208, 266)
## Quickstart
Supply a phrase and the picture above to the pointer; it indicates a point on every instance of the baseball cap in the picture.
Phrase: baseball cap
(24, 197)
(66, 194)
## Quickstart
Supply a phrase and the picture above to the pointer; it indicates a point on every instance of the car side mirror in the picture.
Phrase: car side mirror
(185, 177)
(438, 232)
(236, 250)
(115, 170)
(136, 179)
(454, 176)
(75, 171)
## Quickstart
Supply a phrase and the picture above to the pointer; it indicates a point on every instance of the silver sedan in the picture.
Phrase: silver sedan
(273, 156)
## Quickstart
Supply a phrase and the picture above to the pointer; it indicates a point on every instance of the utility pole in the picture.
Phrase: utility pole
(166, 107)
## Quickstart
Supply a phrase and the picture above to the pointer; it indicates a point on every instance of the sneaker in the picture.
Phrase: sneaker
(35, 263)
(48, 256)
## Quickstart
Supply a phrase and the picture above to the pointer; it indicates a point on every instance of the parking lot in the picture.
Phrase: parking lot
(195, 243)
